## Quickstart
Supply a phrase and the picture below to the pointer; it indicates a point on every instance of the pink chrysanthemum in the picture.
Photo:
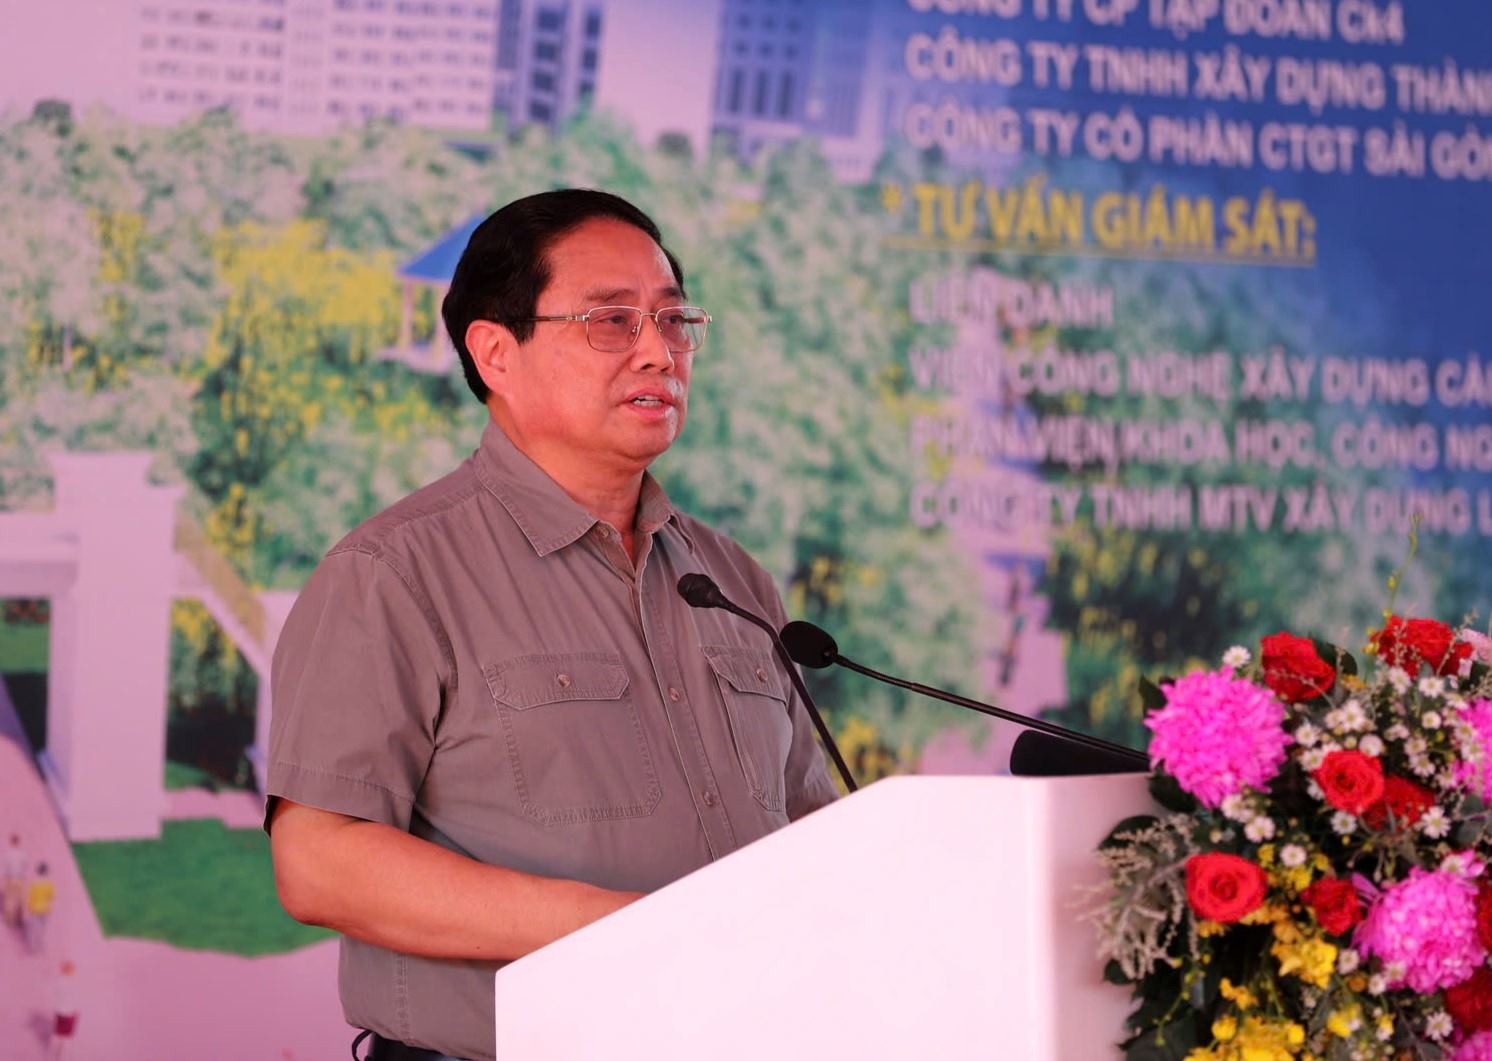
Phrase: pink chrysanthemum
(1427, 923)
(1475, 1048)
(1217, 735)
(1478, 774)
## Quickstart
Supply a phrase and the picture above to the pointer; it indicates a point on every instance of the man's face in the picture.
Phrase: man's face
(569, 402)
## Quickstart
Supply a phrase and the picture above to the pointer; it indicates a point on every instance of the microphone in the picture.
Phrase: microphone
(699, 591)
(812, 646)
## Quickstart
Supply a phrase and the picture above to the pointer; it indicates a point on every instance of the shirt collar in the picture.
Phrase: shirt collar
(549, 518)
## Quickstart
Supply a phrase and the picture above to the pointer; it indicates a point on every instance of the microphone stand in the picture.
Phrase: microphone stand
(700, 591)
(1098, 744)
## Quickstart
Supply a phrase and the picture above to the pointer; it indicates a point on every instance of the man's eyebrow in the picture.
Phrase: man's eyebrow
(607, 296)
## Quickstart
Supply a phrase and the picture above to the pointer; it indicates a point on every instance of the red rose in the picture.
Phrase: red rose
(1335, 904)
(1224, 888)
(1293, 669)
(1402, 798)
(1408, 643)
(1484, 916)
(1352, 781)
(1470, 1002)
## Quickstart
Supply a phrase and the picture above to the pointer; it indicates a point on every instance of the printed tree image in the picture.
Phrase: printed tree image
(222, 297)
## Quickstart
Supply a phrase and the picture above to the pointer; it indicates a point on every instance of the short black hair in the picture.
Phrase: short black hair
(505, 266)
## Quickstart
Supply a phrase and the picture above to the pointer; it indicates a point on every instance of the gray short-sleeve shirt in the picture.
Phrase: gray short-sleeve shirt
(482, 666)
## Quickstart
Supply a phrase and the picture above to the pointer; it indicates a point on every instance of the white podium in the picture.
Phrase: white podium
(923, 917)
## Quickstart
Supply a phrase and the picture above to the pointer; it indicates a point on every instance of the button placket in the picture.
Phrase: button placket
(688, 740)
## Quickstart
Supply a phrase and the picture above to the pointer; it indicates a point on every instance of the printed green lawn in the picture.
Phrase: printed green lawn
(201, 886)
(23, 647)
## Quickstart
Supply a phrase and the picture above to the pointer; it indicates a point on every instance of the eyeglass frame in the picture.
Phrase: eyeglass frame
(636, 334)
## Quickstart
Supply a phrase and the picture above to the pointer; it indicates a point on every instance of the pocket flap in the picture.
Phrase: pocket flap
(532, 681)
(747, 671)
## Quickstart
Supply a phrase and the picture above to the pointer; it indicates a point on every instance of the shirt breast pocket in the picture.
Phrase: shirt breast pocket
(756, 702)
(575, 743)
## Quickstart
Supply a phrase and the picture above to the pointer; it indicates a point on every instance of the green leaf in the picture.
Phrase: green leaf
(1171, 1043)
(1132, 824)
(1167, 791)
(1339, 658)
(1151, 696)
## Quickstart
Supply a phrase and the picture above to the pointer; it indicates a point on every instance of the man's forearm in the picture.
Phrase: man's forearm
(379, 884)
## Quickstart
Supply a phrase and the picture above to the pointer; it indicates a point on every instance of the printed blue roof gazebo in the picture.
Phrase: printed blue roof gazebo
(432, 268)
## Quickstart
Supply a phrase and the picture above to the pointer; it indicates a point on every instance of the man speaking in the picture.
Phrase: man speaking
(494, 719)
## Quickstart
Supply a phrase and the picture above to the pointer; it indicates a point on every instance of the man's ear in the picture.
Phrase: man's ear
(491, 347)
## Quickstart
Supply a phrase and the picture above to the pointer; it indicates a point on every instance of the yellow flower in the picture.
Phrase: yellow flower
(1312, 960)
(1293, 880)
(1210, 928)
(1261, 1039)
(1385, 1026)
(1265, 914)
(1224, 1028)
(1266, 854)
(1343, 1022)
(1241, 997)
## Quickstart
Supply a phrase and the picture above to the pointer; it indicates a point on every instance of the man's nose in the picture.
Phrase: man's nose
(650, 350)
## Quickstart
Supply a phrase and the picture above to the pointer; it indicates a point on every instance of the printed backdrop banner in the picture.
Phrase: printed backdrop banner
(1059, 343)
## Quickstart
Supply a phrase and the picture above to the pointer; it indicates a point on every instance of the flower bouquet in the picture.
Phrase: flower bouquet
(1318, 886)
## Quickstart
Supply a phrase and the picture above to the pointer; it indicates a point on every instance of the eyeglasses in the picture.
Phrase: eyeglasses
(614, 329)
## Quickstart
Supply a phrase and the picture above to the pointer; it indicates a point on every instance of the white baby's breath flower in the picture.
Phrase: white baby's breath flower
(1216, 836)
(1292, 855)
(1416, 745)
(1311, 759)
(1343, 823)
(1439, 1025)
(1347, 960)
(1421, 766)
(1235, 807)
(1462, 864)
(1333, 720)
(1432, 686)
(1377, 984)
(1430, 720)
(1306, 734)
(1259, 829)
(1237, 657)
(1399, 678)
(1314, 790)
(1398, 731)
(1394, 970)
(1434, 823)
(1372, 745)
(1353, 717)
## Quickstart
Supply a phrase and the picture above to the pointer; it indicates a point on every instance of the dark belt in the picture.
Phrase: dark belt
(381, 1049)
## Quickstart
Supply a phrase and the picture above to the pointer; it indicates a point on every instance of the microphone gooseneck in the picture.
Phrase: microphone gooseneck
(699, 591)
(812, 646)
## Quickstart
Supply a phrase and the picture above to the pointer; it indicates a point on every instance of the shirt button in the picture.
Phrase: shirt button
(708, 797)
(761, 675)
(564, 680)
(673, 694)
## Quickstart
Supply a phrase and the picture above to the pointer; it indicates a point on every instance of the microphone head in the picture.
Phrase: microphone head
(809, 645)
(699, 591)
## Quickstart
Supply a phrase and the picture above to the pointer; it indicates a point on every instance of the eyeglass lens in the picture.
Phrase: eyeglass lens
(612, 329)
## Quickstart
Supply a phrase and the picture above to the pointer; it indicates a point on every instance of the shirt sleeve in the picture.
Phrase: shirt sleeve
(360, 672)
